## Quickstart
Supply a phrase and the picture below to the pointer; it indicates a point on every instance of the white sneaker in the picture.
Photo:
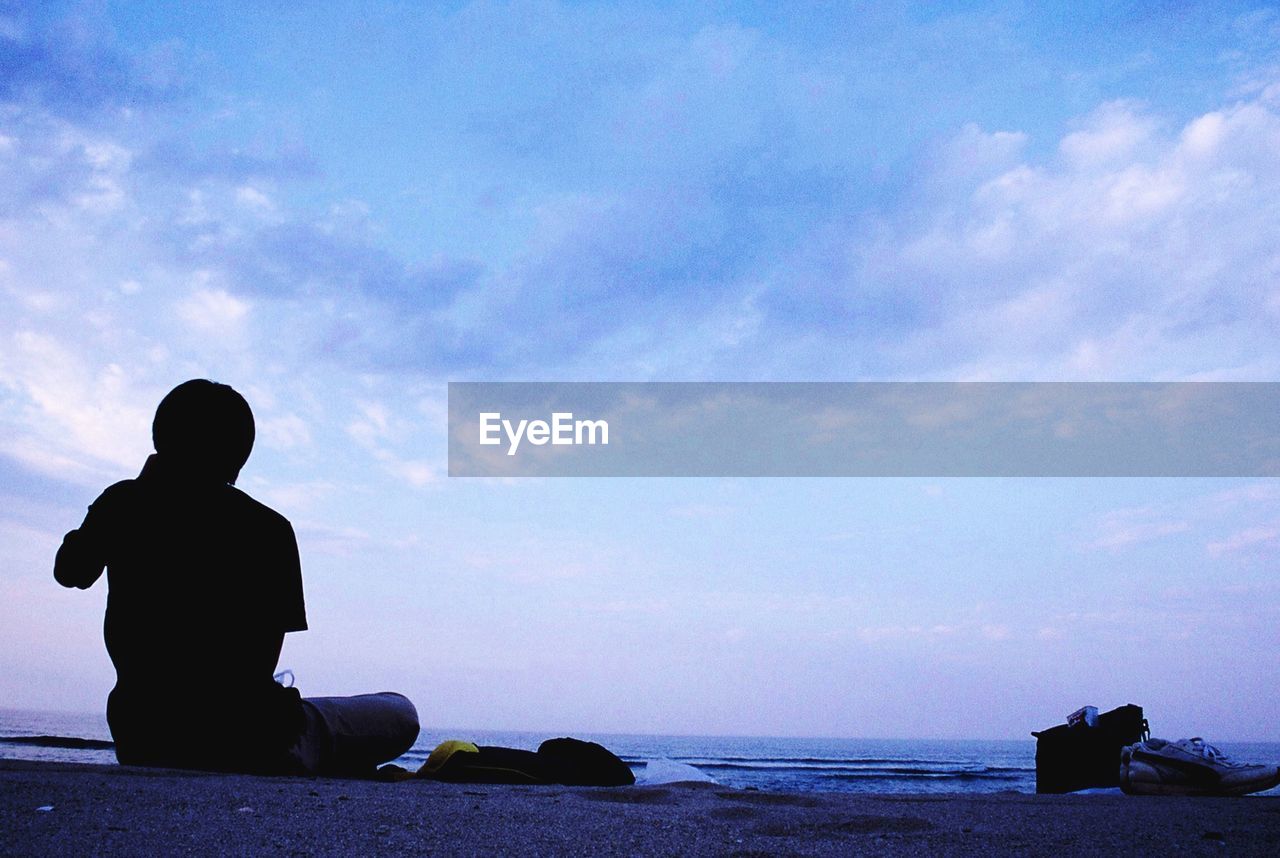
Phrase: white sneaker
(1190, 767)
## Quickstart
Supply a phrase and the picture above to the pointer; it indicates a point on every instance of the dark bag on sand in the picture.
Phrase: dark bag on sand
(1080, 756)
(576, 763)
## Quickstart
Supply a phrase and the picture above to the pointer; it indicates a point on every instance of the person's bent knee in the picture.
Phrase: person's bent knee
(407, 724)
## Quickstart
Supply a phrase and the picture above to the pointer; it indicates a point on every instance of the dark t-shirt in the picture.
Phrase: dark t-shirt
(202, 583)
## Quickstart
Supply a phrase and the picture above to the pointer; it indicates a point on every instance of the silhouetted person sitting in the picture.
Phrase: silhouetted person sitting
(203, 584)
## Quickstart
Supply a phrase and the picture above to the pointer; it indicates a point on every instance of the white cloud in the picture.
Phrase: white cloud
(284, 431)
(702, 511)
(379, 431)
(373, 425)
(1120, 532)
(1234, 522)
(341, 541)
(68, 418)
(1114, 132)
(1142, 253)
(955, 634)
(416, 472)
(1202, 136)
(1251, 537)
(291, 498)
(213, 311)
(254, 199)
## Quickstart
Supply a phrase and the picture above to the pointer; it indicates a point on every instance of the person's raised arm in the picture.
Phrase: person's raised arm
(83, 554)
(78, 563)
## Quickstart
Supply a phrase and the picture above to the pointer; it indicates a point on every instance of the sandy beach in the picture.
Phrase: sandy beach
(122, 810)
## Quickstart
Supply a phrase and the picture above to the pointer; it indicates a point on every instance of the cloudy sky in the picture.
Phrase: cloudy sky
(338, 208)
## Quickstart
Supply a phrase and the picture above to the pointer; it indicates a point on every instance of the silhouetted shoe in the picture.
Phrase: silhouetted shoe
(1190, 767)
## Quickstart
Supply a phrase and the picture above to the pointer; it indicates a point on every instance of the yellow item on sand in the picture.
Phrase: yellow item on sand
(435, 762)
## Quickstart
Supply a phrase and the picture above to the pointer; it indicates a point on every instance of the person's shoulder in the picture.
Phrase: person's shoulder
(116, 493)
(259, 512)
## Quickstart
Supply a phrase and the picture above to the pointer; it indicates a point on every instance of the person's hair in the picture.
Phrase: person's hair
(206, 427)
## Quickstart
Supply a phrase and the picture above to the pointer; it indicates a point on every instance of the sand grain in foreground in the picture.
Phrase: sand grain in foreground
(119, 810)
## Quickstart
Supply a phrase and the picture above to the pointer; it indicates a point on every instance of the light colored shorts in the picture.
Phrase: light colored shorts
(347, 736)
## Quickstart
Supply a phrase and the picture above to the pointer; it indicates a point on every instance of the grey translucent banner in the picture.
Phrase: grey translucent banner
(864, 429)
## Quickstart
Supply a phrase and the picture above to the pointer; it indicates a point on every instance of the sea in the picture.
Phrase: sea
(769, 764)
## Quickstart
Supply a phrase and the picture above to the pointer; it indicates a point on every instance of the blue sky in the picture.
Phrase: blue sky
(339, 210)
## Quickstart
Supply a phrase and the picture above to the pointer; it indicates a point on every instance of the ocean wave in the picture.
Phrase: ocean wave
(70, 742)
(856, 766)
(925, 774)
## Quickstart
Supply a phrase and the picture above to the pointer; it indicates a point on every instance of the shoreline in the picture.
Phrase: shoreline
(106, 809)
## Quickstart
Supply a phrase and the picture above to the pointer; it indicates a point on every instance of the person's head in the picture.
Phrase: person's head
(205, 428)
